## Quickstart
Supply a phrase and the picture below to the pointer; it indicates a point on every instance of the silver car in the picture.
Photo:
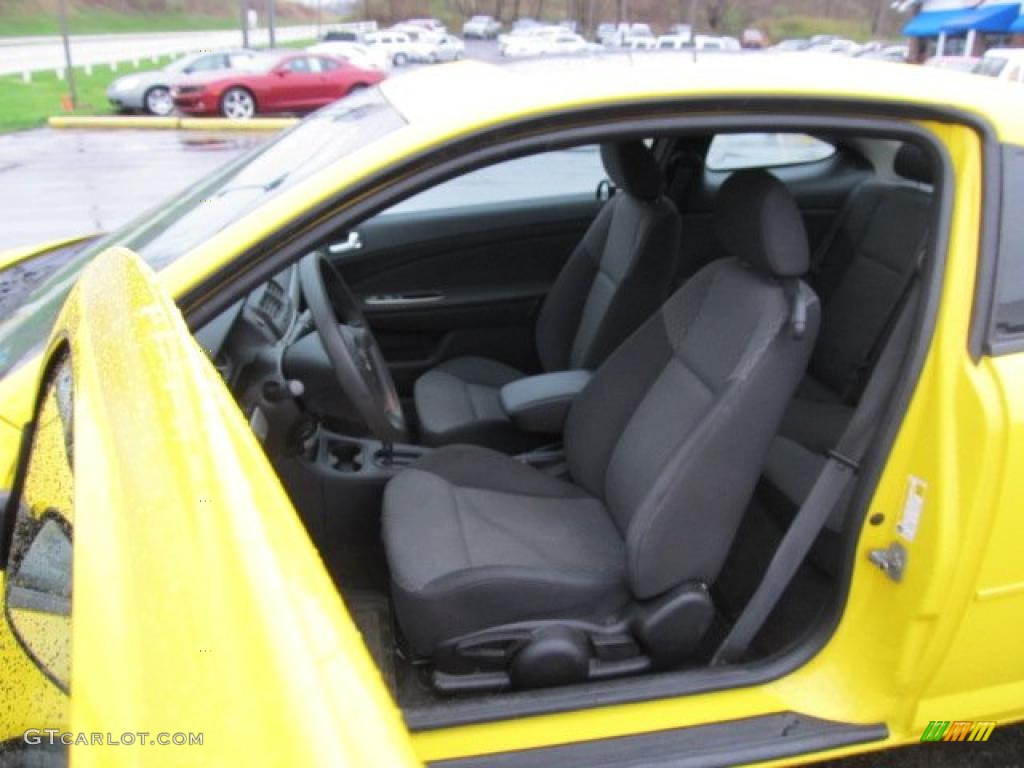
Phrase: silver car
(151, 91)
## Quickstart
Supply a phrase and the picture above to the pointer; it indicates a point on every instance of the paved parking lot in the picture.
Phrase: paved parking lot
(64, 183)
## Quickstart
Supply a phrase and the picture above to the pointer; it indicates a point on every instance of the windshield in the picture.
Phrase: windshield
(161, 236)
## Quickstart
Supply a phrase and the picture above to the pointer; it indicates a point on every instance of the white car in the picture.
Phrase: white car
(398, 46)
(481, 27)
(565, 43)
(429, 47)
(445, 48)
(837, 45)
(639, 37)
(1003, 64)
(673, 43)
(527, 41)
(362, 56)
(641, 44)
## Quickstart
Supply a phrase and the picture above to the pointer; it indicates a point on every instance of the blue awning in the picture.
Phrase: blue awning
(987, 18)
(929, 23)
(1018, 25)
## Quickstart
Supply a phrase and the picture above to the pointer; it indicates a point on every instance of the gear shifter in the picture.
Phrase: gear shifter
(387, 453)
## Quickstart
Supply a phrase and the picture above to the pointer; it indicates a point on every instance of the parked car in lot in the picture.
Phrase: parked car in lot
(428, 25)
(1002, 64)
(481, 28)
(275, 83)
(894, 53)
(954, 63)
(443, 48)
(151, 91)
(357, 54)
(792, 45)
(279, 455)
(673, 42)
(754, 39)
(398, 46)
(559, 43)
(527, 40)
(427, 47)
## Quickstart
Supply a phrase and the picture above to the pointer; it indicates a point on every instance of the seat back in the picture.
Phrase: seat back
(673, 429)
(619, 273)
(865, 269)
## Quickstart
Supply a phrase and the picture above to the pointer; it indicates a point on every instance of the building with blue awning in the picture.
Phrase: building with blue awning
(964, 27)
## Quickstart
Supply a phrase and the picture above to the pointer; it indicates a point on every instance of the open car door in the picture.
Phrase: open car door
(159, 575)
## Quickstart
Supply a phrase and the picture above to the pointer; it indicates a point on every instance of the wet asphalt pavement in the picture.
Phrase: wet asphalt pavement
(63, 183)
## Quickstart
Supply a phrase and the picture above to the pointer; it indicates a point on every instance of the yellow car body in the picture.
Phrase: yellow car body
(251, 644)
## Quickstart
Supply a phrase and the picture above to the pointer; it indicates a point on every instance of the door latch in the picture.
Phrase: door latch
(892, 560)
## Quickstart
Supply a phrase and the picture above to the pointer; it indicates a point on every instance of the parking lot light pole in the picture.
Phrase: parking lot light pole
(62, 12)
(244, 11)
(270, 23)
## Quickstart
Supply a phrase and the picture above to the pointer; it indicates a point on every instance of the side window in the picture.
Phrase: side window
(239, 61)
(38, 593)
(733, 151)
(208, 63)
(327, 64)
(562, 173)
(300, 64)
(1009, 310)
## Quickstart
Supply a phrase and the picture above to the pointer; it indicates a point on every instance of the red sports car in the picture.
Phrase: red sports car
(274, 82)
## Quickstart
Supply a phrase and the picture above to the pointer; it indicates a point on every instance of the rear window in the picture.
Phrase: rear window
(733, 151)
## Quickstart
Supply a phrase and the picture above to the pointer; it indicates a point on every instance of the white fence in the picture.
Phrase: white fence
(26, 56)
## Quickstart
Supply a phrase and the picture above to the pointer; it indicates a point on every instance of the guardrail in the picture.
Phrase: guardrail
(92, 51)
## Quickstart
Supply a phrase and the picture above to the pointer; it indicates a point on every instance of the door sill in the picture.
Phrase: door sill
(751, 740)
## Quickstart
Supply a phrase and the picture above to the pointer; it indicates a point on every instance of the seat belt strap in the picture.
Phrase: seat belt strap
(840, 468)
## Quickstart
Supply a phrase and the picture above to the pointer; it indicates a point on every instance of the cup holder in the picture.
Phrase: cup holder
(345, 457)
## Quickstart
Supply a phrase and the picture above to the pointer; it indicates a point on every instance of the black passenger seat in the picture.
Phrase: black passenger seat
(864, 271)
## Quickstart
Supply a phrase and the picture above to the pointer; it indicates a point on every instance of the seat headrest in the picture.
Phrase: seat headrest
(631, 166)
(759, 223)
(912, 163)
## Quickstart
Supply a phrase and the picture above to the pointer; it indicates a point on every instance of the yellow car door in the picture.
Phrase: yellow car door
(158, 571)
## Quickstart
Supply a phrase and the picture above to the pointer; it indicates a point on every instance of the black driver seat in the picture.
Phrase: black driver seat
(617, 276)
(664, 447)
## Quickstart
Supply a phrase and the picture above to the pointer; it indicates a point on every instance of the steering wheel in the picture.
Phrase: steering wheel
(351, 348)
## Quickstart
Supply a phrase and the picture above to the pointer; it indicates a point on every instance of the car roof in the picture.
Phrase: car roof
(464, 93)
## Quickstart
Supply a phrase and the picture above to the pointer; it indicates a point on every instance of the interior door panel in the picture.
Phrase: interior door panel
(439, 284)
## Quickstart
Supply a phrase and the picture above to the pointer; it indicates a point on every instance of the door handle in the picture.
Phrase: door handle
(352, 243)
(403, 299)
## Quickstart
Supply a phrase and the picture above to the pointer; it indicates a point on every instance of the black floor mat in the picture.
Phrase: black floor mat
(372, 615)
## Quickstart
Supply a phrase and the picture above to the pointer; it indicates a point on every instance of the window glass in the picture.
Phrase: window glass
(327, 64)
(38, 590)
(732, 151)
(207, 63)
(300, 64)
(239, 61)
(564, 172)
(1009, 316)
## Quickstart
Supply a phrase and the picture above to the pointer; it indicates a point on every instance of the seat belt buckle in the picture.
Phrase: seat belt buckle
(846, 461)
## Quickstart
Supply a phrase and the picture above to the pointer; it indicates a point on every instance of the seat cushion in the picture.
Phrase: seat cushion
(476, 539)
(459, 402)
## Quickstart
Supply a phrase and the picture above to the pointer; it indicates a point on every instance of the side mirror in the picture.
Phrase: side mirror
(281, 72)
(39, 598)
(188, 70)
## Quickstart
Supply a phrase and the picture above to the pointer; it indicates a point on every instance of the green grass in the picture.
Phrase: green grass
(27, 105)
(100, 20)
